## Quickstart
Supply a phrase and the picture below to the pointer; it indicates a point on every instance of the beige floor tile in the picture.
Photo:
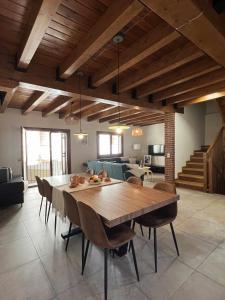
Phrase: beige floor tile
(26, 282)
(162, 286)
(214, 266)
(197, 286)
(11, 232)
(17, 253)
(192, 251)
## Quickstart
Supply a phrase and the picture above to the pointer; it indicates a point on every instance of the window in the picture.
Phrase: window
(109, 144)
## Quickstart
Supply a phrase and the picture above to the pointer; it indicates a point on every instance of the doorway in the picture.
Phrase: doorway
(46, 152)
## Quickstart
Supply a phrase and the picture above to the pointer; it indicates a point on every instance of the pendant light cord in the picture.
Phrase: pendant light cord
(80, 100)
(118, 78)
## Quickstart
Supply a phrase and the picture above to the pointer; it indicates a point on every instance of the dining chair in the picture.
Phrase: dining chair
(72, 214)
(138, 182)
(48, 194)
(95, 232)
(40, 190)
(160, 217)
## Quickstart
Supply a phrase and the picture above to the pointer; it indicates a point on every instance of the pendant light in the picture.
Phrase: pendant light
(137, 131)
(71, 119)
(80, 134)
(118, 127)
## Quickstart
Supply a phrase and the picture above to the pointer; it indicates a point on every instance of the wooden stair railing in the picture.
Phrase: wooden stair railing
(215, 165)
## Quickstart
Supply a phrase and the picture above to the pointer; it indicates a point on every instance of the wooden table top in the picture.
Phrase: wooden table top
(122, 202)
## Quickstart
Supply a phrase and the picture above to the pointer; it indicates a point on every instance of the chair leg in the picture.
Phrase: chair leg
(82, 249)
(149, 233)
(141, 230)
(46, 209)
(68, 239)
(133, 225)
(41, 205)
(174, 239)
(134, 258)
(155, 249)
(105, 273)
(85, 256)
(55, 220)
(49, 210)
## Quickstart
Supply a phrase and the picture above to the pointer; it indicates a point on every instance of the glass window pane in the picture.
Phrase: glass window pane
(116, 144)
(104, 144)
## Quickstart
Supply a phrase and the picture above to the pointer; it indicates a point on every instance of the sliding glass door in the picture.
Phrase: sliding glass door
(45, 153)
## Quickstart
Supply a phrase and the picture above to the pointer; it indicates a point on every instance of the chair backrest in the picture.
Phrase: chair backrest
(135, 180)
(92, 226)
(171, 209)
(47, 190)
(71, 208)
(40, 186)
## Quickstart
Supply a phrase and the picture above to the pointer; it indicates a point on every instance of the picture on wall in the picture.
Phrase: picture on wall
(147, 159)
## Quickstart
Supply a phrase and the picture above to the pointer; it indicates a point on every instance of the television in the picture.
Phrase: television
(156, 150)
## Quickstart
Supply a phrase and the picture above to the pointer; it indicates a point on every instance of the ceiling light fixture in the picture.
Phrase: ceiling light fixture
(80, 134)
(118, 127)
(137, 131)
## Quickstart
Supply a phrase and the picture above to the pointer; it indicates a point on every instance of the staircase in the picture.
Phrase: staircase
(193, 174)
(221, 105)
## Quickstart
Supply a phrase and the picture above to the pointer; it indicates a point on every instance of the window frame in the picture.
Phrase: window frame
(111, 134)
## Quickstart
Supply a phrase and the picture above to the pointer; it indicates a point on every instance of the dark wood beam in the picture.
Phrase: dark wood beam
(166, 63)
(122, 114)
(57, 104)
(156, 39)
(197, 21)
(146, 119)
(118, 15)
(92, 110)
(189, 71)
(36, 98)
(211, 96)
(110, 112)
(42, 14)
(9, 93)
(202, 81)
(75, 108)
(137, 117)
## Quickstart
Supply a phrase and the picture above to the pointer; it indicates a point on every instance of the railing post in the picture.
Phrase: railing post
(205, 172)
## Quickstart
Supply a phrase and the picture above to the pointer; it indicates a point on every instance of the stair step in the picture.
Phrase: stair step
(198, 153)
(194, 171)
(196, 158)
(189, 184)
(198, 165)
(204, 148)
(191, 177)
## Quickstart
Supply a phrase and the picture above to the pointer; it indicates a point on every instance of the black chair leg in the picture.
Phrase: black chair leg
(85, 257)
(105, 273)
(149, 233)
(68, 239)
(49, 210)
(46, 209)
(155, 249)
(174, 238)
(134, 258)
(82, 249)
(41, 205)
(133, 225)
(141, 230)
(55, 221)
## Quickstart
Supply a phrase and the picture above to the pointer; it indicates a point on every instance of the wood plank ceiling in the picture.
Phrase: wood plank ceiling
(173, 55)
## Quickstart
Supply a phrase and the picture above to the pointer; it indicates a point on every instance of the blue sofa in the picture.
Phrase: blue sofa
(114, 170)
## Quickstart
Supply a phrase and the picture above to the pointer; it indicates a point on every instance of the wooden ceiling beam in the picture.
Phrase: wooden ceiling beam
(118, 15)
(189, 71)
(42, 14)
(215, 88)
(36, 98)
(57, 104)
(212, 96)
(9, 93)
(139, 116)
(197, 21)
(122, 114)
(75, 108)
(126, 118)
(92, 110)
(166, 63)
(151, 42)
(110, 112)
(147, 119)
(205, 80)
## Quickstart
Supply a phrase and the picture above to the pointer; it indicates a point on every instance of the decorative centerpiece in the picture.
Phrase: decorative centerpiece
(94, 179)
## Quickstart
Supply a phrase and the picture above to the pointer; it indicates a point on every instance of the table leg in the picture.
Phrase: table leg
(73, 232)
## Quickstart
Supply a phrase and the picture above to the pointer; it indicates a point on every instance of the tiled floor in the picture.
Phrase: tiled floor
(34, 264)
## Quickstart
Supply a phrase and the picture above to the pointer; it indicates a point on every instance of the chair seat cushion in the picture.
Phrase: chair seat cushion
(120, 235)
(154, 220)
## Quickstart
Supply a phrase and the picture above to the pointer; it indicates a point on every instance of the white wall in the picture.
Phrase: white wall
(213, 122)
(10, 138)
(189, 133)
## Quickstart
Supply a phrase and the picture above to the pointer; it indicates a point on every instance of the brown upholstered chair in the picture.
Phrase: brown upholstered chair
(72, 213)
(40, 190)
(160, 217)
(48, 194)
(137, 181)
(95, 232)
